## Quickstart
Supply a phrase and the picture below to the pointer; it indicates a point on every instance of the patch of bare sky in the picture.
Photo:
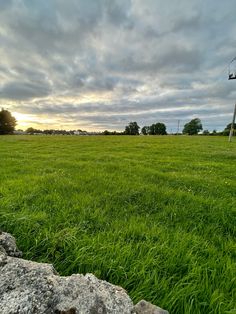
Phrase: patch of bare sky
(100, 64)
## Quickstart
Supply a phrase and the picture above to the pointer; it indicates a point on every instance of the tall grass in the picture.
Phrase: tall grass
(156, 215)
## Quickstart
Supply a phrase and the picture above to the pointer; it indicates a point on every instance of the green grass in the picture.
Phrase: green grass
(156, 215)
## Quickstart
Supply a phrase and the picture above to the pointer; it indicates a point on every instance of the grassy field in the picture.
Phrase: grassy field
(156, 215)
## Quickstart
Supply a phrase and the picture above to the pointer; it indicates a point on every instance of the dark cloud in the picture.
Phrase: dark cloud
(118, 12)
(5, 4)
(188, 23)
(24, 90)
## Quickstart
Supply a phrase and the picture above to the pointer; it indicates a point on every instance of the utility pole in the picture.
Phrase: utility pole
(232, 76)
(232, 125)
(178, 127)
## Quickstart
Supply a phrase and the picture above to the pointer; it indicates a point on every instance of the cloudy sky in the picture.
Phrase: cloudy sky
(98, 64)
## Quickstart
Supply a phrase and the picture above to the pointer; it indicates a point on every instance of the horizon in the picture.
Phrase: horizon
(98, 65)
(170, 132)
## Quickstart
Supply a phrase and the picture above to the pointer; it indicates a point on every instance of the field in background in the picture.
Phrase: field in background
(156, 215)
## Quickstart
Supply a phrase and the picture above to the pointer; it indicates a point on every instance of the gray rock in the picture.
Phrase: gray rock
(8, 243)
(3, 257)
(28, 287)
(144, 307)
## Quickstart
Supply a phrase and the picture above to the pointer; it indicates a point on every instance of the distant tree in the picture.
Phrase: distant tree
(205, 132)
(106, 132)
(132, 129)
(48, 131)
(192, 127)
(157, 129)
(228, 128)
(214, 132)
(32, 131)
(145, 130)
(7, 122)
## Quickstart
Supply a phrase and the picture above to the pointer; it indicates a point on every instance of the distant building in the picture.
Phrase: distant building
(19, 132)
(79, 132)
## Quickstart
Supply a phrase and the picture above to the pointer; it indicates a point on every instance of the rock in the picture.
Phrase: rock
(8, 243)
(28, 287)
(144, 307)
(3, 257)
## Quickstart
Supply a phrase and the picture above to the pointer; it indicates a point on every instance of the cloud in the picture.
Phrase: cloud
(23, 90)
(102, 63)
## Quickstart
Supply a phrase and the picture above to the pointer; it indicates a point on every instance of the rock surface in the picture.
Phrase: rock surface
(28, 287)
(8, 245)
(144, 307)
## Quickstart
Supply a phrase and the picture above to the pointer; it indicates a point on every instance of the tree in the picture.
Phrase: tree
(132, 129)
(145, 130)
(228, 128)
(7, 122)
(205, 132)
(106, 132)
(32, 131)
(157, 129)
(192, 127)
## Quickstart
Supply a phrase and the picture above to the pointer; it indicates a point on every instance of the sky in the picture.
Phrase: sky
(99, 64)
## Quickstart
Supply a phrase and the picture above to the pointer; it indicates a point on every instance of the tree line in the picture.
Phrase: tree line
(193, 127)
